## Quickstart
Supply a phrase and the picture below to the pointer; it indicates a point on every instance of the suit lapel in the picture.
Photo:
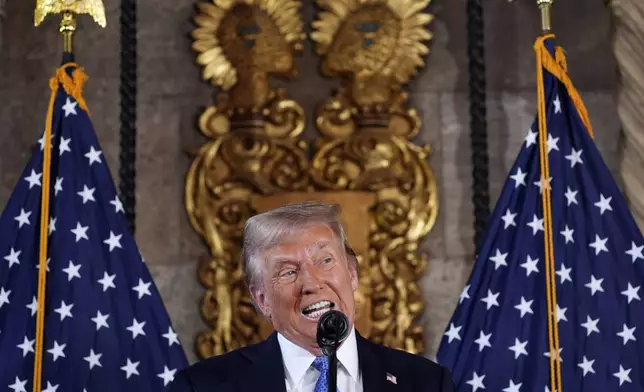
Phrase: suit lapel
(267, 371)
(373, 368)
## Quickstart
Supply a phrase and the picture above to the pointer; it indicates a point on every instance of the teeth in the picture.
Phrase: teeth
(317, 305)
(317, 313)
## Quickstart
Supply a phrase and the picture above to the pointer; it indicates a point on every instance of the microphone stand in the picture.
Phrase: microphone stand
(332, 385)
(333, 328)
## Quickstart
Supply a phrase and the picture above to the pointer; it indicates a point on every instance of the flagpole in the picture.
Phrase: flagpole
(67, 28)
(545, 6)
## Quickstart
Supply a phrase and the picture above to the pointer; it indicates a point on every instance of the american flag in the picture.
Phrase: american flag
(106, 328)
(497, 339)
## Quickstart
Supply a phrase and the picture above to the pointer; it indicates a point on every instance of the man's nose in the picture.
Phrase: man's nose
(311, 283)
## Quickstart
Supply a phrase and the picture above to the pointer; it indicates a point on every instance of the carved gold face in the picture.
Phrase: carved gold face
(252, 42)
(239, 42)
(364, 43)
(376, 45)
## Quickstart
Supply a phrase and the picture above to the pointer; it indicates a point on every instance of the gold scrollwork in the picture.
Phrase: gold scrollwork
(255, 157)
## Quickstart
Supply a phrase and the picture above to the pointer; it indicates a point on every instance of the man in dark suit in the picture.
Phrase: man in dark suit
(298, 266)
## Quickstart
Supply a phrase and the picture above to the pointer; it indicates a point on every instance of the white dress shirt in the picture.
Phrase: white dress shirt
(301, 376)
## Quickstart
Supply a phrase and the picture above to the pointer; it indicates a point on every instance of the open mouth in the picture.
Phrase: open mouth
(316, 310)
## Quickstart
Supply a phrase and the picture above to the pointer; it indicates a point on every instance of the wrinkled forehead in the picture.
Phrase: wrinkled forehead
(293, 250)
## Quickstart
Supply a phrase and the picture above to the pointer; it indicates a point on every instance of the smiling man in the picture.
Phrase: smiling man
(297, 266)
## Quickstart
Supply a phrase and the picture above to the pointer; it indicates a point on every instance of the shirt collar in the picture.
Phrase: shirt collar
(297, 360)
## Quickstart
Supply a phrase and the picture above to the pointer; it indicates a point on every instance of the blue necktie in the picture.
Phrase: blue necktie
(322, 365)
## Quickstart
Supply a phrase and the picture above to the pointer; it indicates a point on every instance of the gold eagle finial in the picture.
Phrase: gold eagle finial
(94, 8)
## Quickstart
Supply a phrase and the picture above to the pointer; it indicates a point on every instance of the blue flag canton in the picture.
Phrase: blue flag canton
(497, 339)
(106, 327)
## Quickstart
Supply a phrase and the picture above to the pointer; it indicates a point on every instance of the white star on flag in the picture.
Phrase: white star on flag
(587, 366)
(508, 219)
(464, 294)
(142, 288)
(136, 328)
(552, 143)
(33, 179)
(483, 341)
(531, 138)
(530, 266)
(50, 387)
(635, 252)
(557, 104)
(172, 337)
(80, 232)
(571, 196)
(70, 107)
(64, 310)
(93, 359)
(27, 346)
(72, 271)
(453, 333)
(590, 325)
(114, 241)
(631, 293)
(519, 348)
(477, 382)
(575, 158)
(525, 307)
(64, 145)
(130, 368)
(118, 206)
(519, 178)
(23, 218)
(57, 350)
(499, 259)
(595, 285)
(167, 375)
(87, 194)
(19, 385)
(107, 281)
(603, 204)
(12, 257)
(491, 299)
(623, 375)
(4, 297)
(33, 306)
(94, 156)
(100, 320)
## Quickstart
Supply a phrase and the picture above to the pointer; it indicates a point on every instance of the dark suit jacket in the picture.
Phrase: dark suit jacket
(259, 367)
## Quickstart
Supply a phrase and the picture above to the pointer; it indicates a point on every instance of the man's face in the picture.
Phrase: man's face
(303, 277)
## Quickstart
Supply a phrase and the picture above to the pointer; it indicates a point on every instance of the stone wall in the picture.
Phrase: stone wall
(171, 96)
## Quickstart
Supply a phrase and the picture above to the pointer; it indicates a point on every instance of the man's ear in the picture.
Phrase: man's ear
(259, 297)
(353, 273)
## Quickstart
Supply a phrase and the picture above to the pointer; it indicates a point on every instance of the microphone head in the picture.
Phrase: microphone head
(333, 328)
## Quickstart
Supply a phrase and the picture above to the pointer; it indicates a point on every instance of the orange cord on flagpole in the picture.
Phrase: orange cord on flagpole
(73, 86)
(551, 284)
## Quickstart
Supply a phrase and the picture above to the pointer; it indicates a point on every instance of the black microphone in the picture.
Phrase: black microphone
(333, 329)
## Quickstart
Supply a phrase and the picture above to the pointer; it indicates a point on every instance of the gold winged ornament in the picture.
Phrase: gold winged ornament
(94, 8)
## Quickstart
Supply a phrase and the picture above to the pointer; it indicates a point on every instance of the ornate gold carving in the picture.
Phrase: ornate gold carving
(94, 8)
(256, 160)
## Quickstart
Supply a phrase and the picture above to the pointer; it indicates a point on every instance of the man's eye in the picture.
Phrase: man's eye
(328, 260)
(288, 273)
